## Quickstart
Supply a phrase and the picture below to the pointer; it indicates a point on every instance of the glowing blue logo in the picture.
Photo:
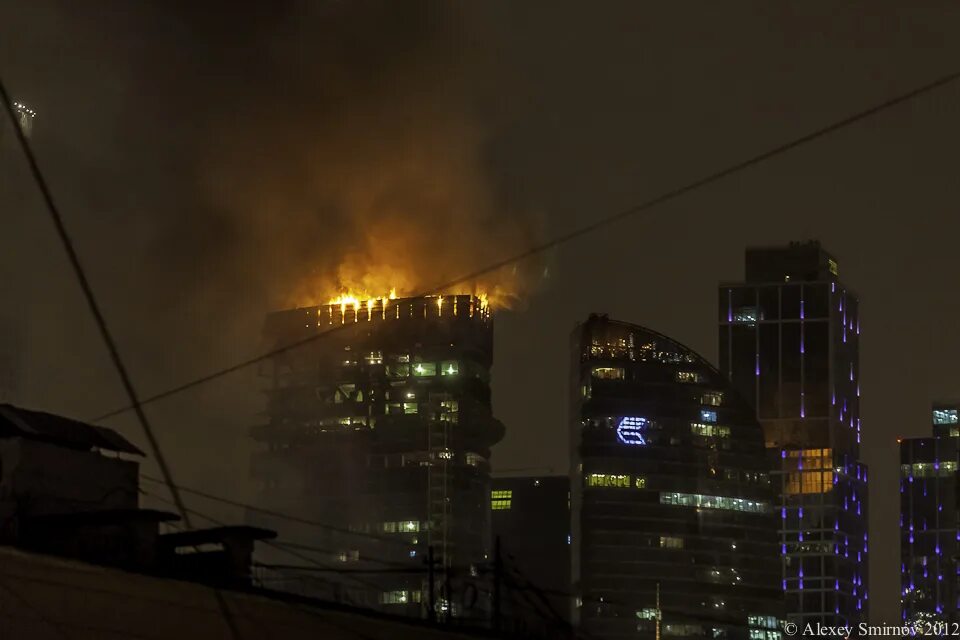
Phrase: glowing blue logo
(630, 430)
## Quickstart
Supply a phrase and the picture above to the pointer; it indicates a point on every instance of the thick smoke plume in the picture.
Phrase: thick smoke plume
(364, 171)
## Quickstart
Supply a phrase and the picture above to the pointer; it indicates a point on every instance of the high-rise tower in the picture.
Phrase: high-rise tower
(673, 527)
(930, 521)
(789, 342)
(381, 430)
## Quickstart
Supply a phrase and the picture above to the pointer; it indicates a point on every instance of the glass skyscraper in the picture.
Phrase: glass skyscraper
(673, 527)
(789, 342)
(929, 533)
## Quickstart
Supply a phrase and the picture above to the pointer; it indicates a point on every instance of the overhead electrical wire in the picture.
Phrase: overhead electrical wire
(92, 303)
(281, 515)
(561, 239)
(269, 543)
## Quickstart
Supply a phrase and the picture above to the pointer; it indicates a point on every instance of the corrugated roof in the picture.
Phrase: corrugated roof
(37, 425)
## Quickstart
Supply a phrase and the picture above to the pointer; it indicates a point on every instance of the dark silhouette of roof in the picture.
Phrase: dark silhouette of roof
(36, 425)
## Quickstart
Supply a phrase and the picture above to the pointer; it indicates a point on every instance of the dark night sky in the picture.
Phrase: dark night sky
(206, 159)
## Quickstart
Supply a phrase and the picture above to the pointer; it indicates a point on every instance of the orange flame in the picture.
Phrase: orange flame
(363, 299)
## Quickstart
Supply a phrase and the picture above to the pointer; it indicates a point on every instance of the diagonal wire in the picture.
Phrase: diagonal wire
(270, 543)
(91, 299)
(56, 626)
(614, 218)
(281, 515)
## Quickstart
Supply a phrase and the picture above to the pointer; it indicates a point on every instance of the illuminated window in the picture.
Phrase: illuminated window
(713, 502)
(765, 622)
(348, 556)
(809, 482)
(688, 376)
(409, 407)
(607, 480)
(449, 411)
(474, 459)
(408, 526)
(630, 430)
(398, 370)
(374, 357)
(682, 630)
(709, 430)
(669, 542)
(745, 314)
(929, 469)
(352, 421)
(647, 614)
(812, 458)
(833, 266)
(425, 369)
(945, 416)
(708, 415)
(500, 505)
(449, 368)
(344, 392)
(399, 597)
(712, 398)
(502, 494)
(608, 373)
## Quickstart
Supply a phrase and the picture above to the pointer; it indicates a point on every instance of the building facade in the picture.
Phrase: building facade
(789, 342)
(530, 516)
(929, 527)
(380, 430)
(673, 528)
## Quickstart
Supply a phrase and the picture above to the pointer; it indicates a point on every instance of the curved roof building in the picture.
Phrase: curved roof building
(674, 533)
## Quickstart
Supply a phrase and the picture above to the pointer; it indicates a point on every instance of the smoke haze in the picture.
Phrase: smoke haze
(236, 166)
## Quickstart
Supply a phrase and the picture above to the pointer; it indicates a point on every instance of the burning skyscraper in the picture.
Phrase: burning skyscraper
(378, 431)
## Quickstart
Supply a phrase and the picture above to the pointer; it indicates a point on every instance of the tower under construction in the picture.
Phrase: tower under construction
(377, 438)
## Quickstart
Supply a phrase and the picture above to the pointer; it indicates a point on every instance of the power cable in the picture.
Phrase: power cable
(555, 617)
(91, 299)
(56, 626)
(282, 567)
(647, 205)
(364, 558)
(272, 544)
(104, 329)
(87, 590)
(281, 515)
